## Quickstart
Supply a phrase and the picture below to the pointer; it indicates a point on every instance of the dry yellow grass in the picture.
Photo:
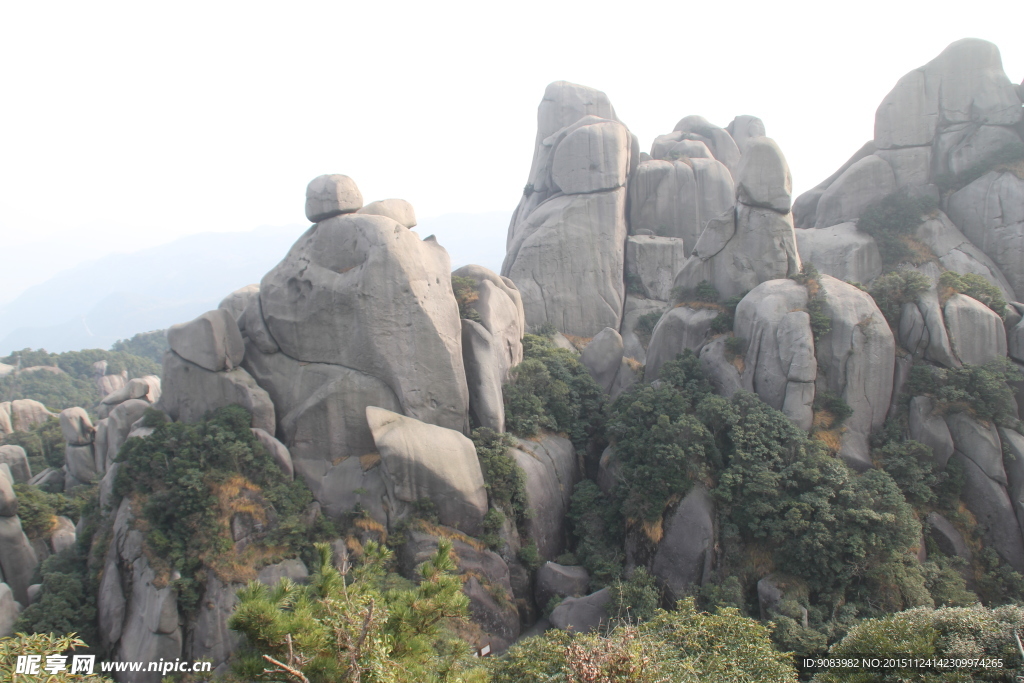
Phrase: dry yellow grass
(920, 252)
(450, 534)
(760, 559)
(579, 342)
(823, 419)
(371, 525)
(633, 364)
(369, 460)
(655, 531)
(739, 363)
(1016, 168)
(831, 438)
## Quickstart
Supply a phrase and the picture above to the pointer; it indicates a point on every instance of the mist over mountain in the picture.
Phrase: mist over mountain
(98, 302)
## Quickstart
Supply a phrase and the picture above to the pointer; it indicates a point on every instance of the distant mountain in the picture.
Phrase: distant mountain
(98, 302)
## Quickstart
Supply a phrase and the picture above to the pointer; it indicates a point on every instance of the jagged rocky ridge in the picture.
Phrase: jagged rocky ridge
(363, 379)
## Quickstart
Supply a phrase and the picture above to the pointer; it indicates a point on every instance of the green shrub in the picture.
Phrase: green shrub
(736, 347)
(635, 599)
(706, 292)
(466, 294)
(530, 556)
(982, 391)
(44, 445)
(38, 509)
(505, 480)
(68, 601)
(635, 285)
(494, 520)
(892, 219)
(976, 287)
(552, 390)
(834, 404)
(645, 325)
(892, 290)
(595, 529)
(808, 273)
(912, 467)
(821, 322)
(723, 322)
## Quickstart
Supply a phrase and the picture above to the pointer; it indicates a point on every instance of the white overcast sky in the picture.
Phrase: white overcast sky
(125, 125)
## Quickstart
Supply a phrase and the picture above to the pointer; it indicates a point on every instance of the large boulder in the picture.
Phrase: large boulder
(957, 253)
(591, 158)
(277, 450)
(331, 195)
(677, 198)
(16, 458)
(990, 212)
(603, 357)
(685, 553)
(841, 251)
(18, 560)
(113, 431)
(927, 426)
(1013, 442)
(421, 460)
(552, 472)
(780, 364)
(398, 210)
(211, 341)
(8, 611)
(483, 376)
(8, 499)
(235, 302)
(76, 427)
(5, 418)
(559, 581)
(743, 128)
(582, 615)
(500, 308)
(364, 292)
(950, 541)
(721, 144)
(763, 178)
(636, 307)
(990, 504)
(680, 329)
(27, 413)
(976, 332)
(190, 392)
(856, 361)
(864, 183)
(979, 443)
(652, 263)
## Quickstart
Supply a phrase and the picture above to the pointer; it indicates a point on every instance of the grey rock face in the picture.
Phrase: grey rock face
(632, 346)
(602, 357)
(780, 364)
(591, 158)
(398, 210)
(8, 499)
(18, 560)
(49, 480)
(945, 535)
(930, 429)
(978, 443)
(331, 195)
(976, 332)
(1014, 465)
(76, 427)
(235, 302)
(955, 252)
(686, 551)
(988, 500)
(679, 329)
(723, 375)
(678, 198)
(26, 413)
(190, 392)
(420, 460)
(763, 178)
(483, 376)
(938, 348)
(841, 251)
(990, 211)
(363, 292)
(676, 146)
(865, 182)
(5, 418)
(582, 615)
(743, 128)
(652, 262)
(64, 535)
(8, 611)
(210, 637)
(17, 460)
(211, 341)
(500, 307)
(856, 360)
(113, 431)
(558, 581)
(80, 462)
(278, 451)
(552, 471)
(721, 144)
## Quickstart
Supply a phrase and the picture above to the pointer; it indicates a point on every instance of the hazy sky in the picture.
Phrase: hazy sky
(127, 124)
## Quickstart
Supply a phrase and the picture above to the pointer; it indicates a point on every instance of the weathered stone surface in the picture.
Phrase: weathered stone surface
(722, 373)
(780, 364)
(558, 581)
(763, 178)
(500, 307)
(398, 210)
(363, 292)
(113, 431)
(294, 570)
(483, 376)
(5, 418)
(591, 158)
(805, 207)
(945, 535)
(1015, 340)
(737, 252)
(110, 383)
(76, 427)
(256, 331)
(632, 345)
(8, 611)
(743, 128)
(990, 212)
(235, 302)
(190, 392)
(211, 341)
(676, 146)
(331, 195)
(841, 251)
(717, 139)
(652, 263)
(677, 199)
(912, 332)
(929, 428)
(420, 460)
(939, 348)
(582, 615)
(26, 413)
(955, 252)
(18, 560)
(8, 499)
(17, 460)
(602, 357)
(50, 480)
(1013, 442)
(974, 146)
(911, 166)
(976, 332)
(867, 181)
(856, 359)
(64, 535)
(500, 621)
(988, 501)
(210, 638)
(680, 329)
(147, 388)
(277, 450)
(80, 462)
(684, 556)
(552, 471)
(979, 443)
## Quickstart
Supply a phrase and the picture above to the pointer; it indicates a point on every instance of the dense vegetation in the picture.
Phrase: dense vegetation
(151, 345)
(43, 443)
(892, 221)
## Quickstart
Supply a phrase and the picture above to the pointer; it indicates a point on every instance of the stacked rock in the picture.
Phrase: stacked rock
(18, 559)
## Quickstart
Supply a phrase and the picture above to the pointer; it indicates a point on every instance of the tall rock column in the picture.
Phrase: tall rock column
(566, 243)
